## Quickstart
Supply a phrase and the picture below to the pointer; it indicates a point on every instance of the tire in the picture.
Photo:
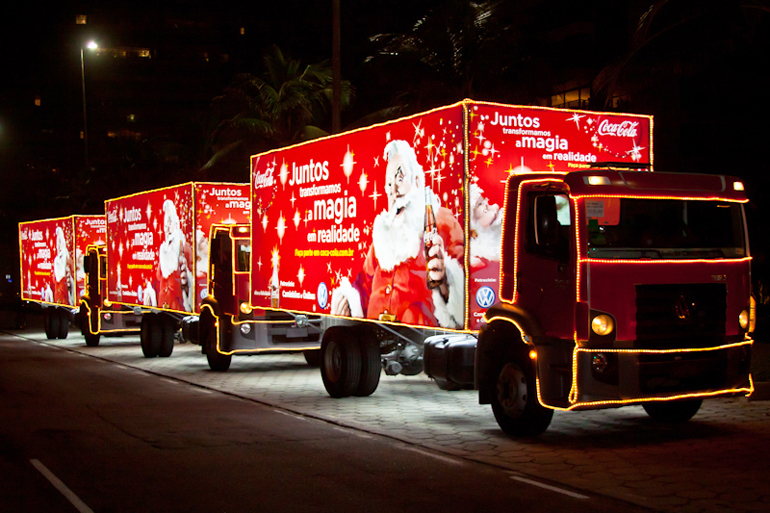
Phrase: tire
(150, 335)
(514, 404)
(312, 357)
(672, 412)
(218, 362)
(168, 330)
(64, 324)
(371, 364)
(340, 362)
(91, 339)
(51, 323)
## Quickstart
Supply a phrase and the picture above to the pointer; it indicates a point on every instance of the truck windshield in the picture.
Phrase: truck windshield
(663, 228)
(243, 256)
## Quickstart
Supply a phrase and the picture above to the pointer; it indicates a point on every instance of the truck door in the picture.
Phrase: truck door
(546, 268)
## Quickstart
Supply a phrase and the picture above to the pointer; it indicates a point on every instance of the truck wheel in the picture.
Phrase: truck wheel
(64, 324)
(371, 364)
(150, 335)
(91, 339)
(218, 362)
(168, 330)
(340, 362)
(51, 323)
(672, 412)
(515, 404)
(312, 357)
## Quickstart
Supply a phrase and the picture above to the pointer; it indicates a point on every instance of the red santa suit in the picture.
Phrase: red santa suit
(390, 287)
(170, 294)
(62, 273)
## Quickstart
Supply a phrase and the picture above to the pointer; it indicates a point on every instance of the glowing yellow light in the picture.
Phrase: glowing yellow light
(597, 180)
(533, 355)
(245, 308)
(602, 325)
(743, 319)
(738, 186)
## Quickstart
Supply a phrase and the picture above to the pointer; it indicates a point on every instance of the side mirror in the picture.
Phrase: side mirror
(547, 224)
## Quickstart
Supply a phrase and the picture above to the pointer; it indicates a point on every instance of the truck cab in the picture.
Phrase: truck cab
(97, 315)
(616, 287)
(227, 325)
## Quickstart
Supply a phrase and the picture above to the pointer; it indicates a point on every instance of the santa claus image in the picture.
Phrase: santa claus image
(401, 280)
(486, 230)
(174, 276)
(64, 285)
(202, 262)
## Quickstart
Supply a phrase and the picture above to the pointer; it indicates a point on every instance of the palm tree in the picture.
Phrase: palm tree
(465, 49)
(286, 104)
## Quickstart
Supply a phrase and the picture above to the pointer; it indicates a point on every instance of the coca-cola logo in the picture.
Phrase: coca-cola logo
(622, 129)
(264, 179)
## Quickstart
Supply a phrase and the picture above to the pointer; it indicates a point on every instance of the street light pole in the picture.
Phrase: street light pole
(91, 46)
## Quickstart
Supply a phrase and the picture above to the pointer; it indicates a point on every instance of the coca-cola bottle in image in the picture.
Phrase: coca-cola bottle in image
(430, 231)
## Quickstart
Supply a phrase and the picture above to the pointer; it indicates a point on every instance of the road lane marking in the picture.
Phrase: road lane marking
(445, 459)
(549, 487)
(69, 494)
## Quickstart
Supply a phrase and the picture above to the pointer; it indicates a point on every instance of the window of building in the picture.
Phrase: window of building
(38, 101)
(81, 19)
(574, 99)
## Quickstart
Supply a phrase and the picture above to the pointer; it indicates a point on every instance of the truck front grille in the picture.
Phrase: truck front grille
(680, 315)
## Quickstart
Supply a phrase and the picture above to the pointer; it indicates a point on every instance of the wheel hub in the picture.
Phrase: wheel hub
(512, 390)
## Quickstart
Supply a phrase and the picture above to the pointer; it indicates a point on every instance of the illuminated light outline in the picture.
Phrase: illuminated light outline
(466, 218)
(663, 197)
(516, 232)
(461, 103)
(466, 113)
(277, 349)
(615, 402)
(72, 219)
(99, 310)
(194, 187)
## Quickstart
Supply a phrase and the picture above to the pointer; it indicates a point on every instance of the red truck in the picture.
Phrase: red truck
(493, 246)
(152, 272)
(229, 326)
(51, 255)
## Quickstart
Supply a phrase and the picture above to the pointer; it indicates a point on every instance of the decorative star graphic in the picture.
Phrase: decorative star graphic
(374, 195)
(576, 118)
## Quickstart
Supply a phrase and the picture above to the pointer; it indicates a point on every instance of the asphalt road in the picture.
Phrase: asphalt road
(84, 434)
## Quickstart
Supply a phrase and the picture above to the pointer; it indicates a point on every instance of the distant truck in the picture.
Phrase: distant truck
(495, 246)
(229, 326)
(153, 269)
(51, 255)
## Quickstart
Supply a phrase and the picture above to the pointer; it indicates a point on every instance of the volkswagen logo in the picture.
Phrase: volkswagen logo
(485, 297)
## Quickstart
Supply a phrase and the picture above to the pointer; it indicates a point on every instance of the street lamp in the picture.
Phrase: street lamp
(91, 46)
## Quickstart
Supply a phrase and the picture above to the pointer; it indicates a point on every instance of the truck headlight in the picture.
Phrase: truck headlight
(602, 325)
(245, 328)
(245, 308)
(743, 319)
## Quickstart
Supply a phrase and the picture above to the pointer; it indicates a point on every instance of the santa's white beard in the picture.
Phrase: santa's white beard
(169, 255)
(486, 244)
(60, 265)
(399, 238)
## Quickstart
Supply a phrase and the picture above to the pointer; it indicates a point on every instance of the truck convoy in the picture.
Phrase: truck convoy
(52, 274)
(529, 253)
(152, 271)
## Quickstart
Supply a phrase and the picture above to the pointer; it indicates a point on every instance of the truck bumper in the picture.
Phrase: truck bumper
(606, 378)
